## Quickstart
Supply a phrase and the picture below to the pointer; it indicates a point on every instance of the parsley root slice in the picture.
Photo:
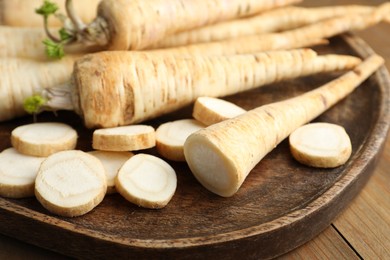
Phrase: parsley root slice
(18, 173)
(170, 137)
(277, 20)
(43, 139)
(322, 145)
(112, 162)
(152, 85)
(209, 110)
(70, 183)
(222, 155)
(124, 138)
(147, 181)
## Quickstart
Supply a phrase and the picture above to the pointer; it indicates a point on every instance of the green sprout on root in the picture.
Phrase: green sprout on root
(34, 105)
(54, 46)
(74, 31)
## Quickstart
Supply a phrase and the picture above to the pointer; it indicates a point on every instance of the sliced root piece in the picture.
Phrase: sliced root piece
(124, 138)
(146, 181)
(18, 173)
(43, 139)
(209, 110)
(170, 137)
(112, 162)
(222, 155)
(322, 145)
(70, 183)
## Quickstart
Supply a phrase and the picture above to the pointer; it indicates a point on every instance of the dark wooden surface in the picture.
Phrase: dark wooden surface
(206, 214)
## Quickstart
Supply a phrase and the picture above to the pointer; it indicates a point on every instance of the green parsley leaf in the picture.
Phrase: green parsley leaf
(54, 50)
(64, 35)
(33, 104)
(47, 8)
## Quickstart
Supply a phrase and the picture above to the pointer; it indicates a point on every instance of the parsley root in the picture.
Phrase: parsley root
(278, 20)
(222, 155)
(136, 24)
(321, 145)
(110, 89)
(146, 181)
(23, 79)
(17, 179)
(70, 183)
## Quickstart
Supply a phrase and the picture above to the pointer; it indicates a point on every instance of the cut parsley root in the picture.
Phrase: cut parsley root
(170, 137)
(43, 139)
(322, 145)
(18, 173)
(70, 183)
(124, 138)
(110, 89)
(146, 181)
(222, 155)
(112, 162)
(209, 110)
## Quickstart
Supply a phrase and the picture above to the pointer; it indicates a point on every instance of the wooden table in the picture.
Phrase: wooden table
(361, 231)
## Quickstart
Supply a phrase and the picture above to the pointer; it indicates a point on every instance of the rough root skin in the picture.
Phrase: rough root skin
(168, 82)
(237, 145)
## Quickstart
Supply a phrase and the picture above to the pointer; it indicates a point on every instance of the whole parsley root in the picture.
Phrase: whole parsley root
(111, 88)
(137, 24)
(27, 43)
(305, 36)
(23, 79)
(273, 21)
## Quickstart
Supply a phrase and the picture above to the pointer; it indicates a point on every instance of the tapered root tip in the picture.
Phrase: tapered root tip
(210, 166)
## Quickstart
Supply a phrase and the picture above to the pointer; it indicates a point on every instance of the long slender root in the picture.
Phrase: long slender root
(222, 155)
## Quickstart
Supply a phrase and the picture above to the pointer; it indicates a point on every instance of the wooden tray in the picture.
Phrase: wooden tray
(280, 206)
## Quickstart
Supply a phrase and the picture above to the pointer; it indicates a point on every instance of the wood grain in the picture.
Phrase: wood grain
(366, 237)
(366, 223)
(329, 244)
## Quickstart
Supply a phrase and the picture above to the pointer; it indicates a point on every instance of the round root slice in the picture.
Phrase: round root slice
(112, 162)
(209, 110)
(170, 137)
(146, 181)
(321, 145)
(70, 183)
(124, 138)
(43, 139)
(18, 173)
